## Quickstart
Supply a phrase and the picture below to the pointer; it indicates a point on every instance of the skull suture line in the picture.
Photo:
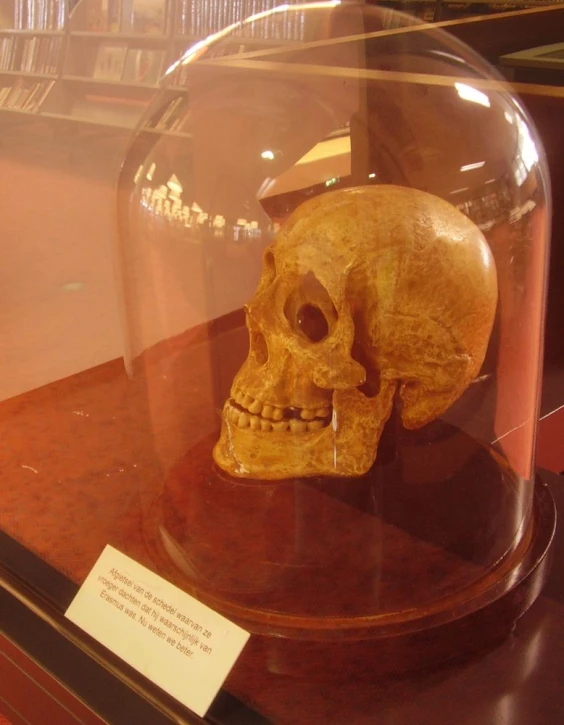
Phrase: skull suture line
(365, 292)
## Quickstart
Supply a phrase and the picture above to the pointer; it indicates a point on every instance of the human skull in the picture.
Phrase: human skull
(365, 292)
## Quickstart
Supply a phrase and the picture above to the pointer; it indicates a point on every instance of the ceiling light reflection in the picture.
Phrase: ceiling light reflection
(471, 167)
(469, 93)
(529, 152)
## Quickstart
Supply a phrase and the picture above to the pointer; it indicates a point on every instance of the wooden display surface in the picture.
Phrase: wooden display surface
(66, 512)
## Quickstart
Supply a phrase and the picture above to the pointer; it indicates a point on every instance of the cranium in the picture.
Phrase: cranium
(366, 292)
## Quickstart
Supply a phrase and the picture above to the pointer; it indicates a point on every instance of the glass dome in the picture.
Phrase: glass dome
(334, 260)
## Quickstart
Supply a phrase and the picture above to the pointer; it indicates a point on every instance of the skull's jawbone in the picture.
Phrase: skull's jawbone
(276, 456)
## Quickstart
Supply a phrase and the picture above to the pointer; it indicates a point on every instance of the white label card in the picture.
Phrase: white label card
(171, 638)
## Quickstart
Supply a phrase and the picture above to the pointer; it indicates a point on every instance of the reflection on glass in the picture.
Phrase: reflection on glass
(469, 93)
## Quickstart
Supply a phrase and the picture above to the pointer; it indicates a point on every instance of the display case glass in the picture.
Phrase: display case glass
(334, 262)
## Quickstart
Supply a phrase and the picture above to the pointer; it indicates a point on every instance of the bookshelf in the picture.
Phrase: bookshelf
(117, 50)
(108, 56)
(114, 57)
(31, 48)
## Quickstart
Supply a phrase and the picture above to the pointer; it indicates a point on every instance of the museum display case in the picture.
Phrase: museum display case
(334, 262)
(331, 252)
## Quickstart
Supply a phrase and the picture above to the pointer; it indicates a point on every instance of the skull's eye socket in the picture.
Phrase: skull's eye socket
(309, 309)
(311, 322)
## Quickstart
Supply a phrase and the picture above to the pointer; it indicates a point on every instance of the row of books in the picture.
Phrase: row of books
(289, 25)
(7, 52)
(31, 55)
(39, 14)
(24, 95)
(203, 17)
(103, 16)
(133, 16)
(41, 55)
(116, 62)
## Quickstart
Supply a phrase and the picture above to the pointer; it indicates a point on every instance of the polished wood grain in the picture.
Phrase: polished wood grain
(28, 694)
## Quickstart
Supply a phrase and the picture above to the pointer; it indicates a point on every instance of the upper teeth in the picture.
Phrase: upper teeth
(251, 412)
